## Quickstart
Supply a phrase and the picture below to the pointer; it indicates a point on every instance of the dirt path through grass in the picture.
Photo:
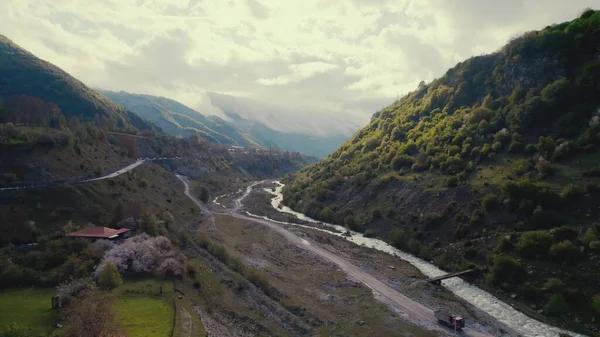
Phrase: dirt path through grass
(186, 322)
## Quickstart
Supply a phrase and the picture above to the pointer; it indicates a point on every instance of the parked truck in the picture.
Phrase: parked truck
(454, 321)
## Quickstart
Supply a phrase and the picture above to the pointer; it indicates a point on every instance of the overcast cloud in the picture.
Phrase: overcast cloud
(341, 58)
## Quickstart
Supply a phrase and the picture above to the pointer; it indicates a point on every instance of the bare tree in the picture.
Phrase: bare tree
(92, 316)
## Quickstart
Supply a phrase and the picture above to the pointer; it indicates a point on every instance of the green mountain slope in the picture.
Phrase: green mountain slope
(493, 165)
(180, 120)
(22, 75)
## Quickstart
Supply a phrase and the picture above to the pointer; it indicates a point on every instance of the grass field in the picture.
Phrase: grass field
(145, 316)
(30, 307)
(141, 312)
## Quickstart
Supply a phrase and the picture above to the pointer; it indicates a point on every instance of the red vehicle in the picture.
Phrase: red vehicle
(453, 321)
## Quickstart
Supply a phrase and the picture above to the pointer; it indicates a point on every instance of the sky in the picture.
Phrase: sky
(323, 65)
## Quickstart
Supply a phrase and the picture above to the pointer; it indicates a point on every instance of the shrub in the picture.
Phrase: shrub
(504, 245)
(398, 238)
(453, 149)
(259, 279)
(352, 223)
(497, 146)
(402, 160)
(109, 277)
(589, 236)
(453, 165)
(490, 202)
(532, 244)
(506, 270)
(530, 148)
(433, 219)
(204, 195)
(554, 285)
(515, 147)
(151, 225)
(486, 149)
(557, 306)
(191, 270)
(143, 183)
(480, 114)
(571, 192)
(327, 214)
(565, 251)
(452, 181)
(546, 146)
(523, 166)
(562, 151)
(477, 217)
(564, 233)
(369, 233)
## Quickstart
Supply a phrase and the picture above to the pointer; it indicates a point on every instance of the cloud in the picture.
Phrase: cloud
(298, 72)
(314, 65)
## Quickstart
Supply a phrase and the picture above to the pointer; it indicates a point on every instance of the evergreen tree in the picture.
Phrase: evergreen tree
(110, 277)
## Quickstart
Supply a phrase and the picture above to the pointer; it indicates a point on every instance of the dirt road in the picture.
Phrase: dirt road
(402, 305)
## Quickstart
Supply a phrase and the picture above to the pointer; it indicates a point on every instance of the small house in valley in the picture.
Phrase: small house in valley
(101, 233)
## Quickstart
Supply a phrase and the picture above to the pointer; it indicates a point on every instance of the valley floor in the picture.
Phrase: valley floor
(341, 303)
(322, 285)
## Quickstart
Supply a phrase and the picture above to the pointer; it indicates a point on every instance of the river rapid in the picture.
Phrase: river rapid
(480, 299)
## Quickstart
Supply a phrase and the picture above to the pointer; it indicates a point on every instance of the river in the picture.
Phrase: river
(480, 299)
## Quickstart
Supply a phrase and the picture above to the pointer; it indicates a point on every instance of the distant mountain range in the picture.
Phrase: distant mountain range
(314, 145)
(177, 119)
(23, 76)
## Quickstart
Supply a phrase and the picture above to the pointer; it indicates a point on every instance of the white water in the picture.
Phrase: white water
(216, 200)
(486, 302)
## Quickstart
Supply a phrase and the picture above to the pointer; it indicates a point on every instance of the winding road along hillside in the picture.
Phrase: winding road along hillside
(78, 180)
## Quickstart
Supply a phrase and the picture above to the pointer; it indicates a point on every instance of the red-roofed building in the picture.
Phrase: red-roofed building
(104, 233)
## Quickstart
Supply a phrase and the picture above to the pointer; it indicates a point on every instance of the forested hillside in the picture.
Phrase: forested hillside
(493, 165)
(23, 75)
